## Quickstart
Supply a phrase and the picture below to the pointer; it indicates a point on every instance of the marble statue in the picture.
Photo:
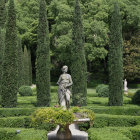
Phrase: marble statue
(64, 82)
(125, 86)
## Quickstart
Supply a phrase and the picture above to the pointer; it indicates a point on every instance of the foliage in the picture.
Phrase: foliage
(30, 67)
(10, 67)
(131, 58)
(78, 61)
(43, 59)
(2, 46)
(59, 116)
(102, 90)
(2, 14)
(20, 64)
(26, 67)
(115, 59)
(136, 98)
(25, 91)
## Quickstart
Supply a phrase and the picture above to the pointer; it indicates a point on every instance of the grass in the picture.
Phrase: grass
(98, 104)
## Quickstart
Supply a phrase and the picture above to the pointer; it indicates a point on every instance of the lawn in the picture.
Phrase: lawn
(111, 123)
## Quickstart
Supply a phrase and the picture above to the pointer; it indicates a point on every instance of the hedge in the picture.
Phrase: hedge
(7, 134)
(103, 120)
(15, 122)
(11, 112)
(135, 111)
(25, 134)
(117, 133)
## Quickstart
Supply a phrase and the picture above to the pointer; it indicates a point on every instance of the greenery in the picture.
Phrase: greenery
(10, 67)
(78, 61)
(102, 90)
(2, 14)
(115, 59)
(136, 98)
(26, 67)
(43, 59)
(25, 91)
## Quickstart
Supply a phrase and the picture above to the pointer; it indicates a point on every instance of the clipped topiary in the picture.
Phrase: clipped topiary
(25, 91)
(102, 90)
(136, 97)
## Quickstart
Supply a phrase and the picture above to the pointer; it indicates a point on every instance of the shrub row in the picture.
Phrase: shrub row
(11, 112)
(103, 120)
(115, 133)
(23, 122)
(102, 90)
(15, 122)
(134, 111)
(7, 134)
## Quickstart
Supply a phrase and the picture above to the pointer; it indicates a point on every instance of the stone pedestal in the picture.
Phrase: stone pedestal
(73, 134)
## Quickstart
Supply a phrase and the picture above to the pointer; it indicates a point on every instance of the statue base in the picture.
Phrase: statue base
(71, 132)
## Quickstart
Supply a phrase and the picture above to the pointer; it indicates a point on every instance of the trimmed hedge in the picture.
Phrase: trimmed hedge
(136, 98)
(117, 133)
(15, 122)
(11, 112)
(8, 134)
(102, 90)
(103, 120)
(25, 91)
(134, 111)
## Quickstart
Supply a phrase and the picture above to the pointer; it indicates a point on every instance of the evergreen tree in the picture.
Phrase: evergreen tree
(26, 67)
(9, 77)
(30, 67)
(43, 59)
(2, 13)
(78, 61)
(2, 46)
(20, 64)
(115, 59)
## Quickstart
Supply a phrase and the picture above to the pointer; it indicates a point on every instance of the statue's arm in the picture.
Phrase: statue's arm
(59, 80)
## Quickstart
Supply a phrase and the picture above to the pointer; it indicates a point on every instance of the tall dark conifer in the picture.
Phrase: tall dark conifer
(43, 59)
(78, 61)
(2, 13)
(26, 67)
(20, 64)
(30, 67)
(10, 70)
(115, 59)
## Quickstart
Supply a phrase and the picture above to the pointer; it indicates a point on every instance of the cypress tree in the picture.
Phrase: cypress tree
(115, 59)
(2, 13)
(9, 77)
(20, 64)
(78, 61)
(26, 67)
(2, 46)
(43, 59)
(30, 67)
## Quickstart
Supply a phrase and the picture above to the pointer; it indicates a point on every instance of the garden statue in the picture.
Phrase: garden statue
(125, 87)
(64, 82)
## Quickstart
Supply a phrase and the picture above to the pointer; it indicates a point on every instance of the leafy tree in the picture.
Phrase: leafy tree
(2, 13)
(43, 59)
(20, 64)
(26, 67)
(115, 59)
(10, 67)
(132, 58)
(78, 61)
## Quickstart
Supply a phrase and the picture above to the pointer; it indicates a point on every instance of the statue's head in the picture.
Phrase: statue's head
(64, 68)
